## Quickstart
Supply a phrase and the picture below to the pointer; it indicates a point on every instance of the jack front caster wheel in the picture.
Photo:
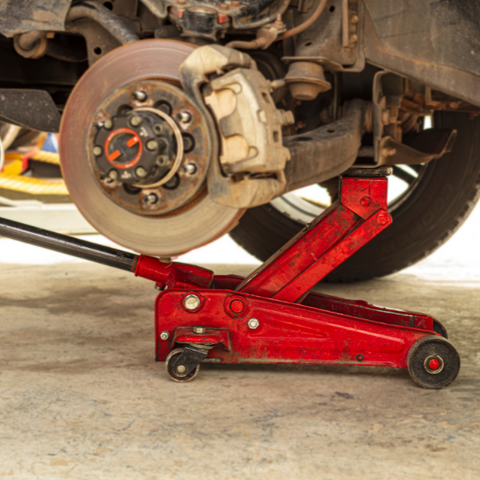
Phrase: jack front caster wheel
(177, 372)
(433, 362)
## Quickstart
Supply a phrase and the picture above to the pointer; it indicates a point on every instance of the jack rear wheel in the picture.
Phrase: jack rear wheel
(433, 362)
(173, 373)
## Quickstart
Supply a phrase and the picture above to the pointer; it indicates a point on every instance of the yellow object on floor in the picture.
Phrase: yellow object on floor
(33, 186)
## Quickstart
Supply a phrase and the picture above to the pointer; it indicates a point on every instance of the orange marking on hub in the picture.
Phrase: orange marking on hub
(133, 141)
(113, 156)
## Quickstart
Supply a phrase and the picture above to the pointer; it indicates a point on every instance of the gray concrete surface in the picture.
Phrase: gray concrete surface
(82, 398)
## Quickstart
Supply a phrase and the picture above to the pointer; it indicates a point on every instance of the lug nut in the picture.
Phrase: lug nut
(190, 168)
(140, 96)
(108, 124)
(158, 129)
(135, 121)
(150, 199)
(152, 145)
(97, 151)
(140, 172)
(113, 175)
(162, 161)
(191, 302)
(184, 117)
(253, 323)
(164, 335)
(199, 329)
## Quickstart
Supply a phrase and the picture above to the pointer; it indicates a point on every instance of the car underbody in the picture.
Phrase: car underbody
(181, 120)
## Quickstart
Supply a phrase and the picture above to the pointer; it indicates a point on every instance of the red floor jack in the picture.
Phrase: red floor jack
(271, 316)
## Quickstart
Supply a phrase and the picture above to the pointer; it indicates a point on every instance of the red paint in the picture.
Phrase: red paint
(433, 364)
(295, 326)
(237, 306)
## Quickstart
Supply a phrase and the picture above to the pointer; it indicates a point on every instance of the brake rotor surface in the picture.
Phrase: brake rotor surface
(169, 232)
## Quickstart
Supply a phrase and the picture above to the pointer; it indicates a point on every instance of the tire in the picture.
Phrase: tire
(445, 356)
(445, 193)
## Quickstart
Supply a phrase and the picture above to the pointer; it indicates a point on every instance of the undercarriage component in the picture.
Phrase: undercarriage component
(270, 317)
(206, 19)
(327, 151)
(33, 109)
(306, 80)
(146, 216)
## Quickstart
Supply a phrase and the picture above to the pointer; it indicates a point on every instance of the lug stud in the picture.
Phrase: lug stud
(150, 199)
(140, 96)
(97, 151)
(190, 168)
(184, 117)
(113, 175)
(108, 124)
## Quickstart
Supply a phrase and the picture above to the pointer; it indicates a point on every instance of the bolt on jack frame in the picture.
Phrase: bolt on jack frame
(272, 316)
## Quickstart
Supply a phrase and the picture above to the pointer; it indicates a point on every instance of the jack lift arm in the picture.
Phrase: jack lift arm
(271, 316)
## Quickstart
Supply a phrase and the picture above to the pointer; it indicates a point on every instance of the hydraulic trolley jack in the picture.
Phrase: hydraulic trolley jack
(271, 316)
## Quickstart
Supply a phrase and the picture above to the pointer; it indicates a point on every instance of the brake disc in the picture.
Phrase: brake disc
(135, 152)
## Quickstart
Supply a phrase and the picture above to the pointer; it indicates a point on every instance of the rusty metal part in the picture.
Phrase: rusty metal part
(104, 17)
(324, 42)
(34, 47)
(27, 41)
(34, 109)
(306, 80)
(17, 17)
(240, 14)
(196, 223)
(266, 35)
(240, 191)
(417, 148)
(157, 7)
(178, 186)
(327, 151)
(300, 28)
(180, 146)
(421, 45)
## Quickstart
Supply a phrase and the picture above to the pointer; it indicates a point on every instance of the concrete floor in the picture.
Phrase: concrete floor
(82, 398)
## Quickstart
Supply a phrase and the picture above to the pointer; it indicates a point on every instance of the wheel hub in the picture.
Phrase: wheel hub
(136, 150)
(148, 147)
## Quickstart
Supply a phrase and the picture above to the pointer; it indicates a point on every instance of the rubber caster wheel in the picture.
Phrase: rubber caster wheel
(433, 362)
(173, 373)
(439, 328)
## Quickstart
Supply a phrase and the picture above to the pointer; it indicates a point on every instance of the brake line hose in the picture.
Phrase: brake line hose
(303, 26)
